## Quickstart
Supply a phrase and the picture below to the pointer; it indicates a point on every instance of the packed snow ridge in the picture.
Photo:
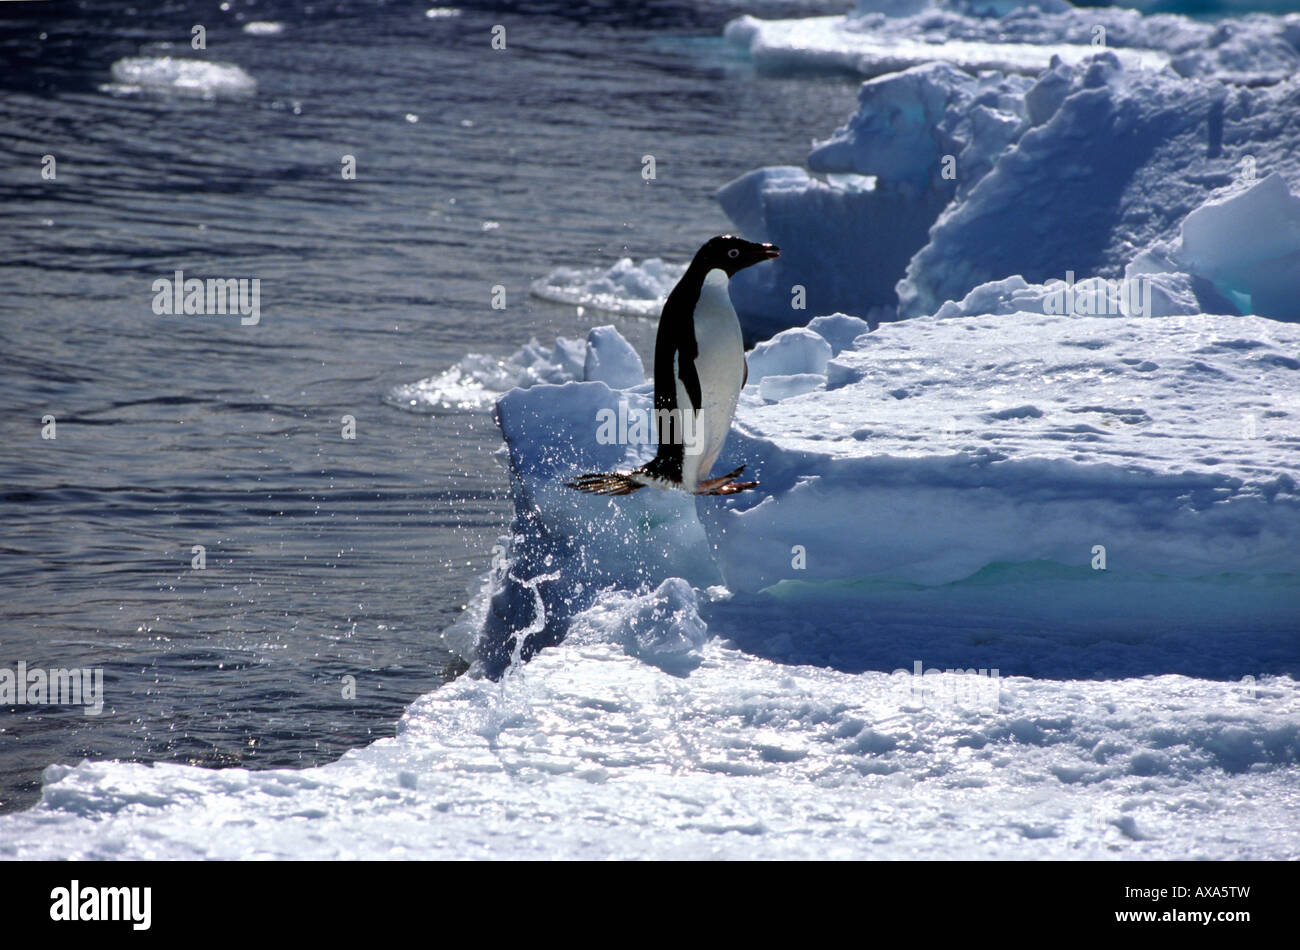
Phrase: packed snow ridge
(950, 176)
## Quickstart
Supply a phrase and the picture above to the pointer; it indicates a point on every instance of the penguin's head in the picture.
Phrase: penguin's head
(730, 253)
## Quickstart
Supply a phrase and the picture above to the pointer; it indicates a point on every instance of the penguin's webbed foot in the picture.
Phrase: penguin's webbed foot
(605, 483)
(731, 488)
(725, 484)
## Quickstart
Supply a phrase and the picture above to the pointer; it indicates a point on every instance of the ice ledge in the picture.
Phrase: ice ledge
(1162, 447)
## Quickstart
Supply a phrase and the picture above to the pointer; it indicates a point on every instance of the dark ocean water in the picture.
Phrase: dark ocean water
(325, 557)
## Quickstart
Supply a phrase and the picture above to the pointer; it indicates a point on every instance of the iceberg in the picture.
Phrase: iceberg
(1115, 163)
(846, 241)
(1089, 169)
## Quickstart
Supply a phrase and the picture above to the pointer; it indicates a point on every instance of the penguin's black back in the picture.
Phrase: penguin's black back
(676, 338)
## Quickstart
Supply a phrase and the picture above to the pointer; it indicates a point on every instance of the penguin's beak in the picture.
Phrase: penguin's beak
(752, 253)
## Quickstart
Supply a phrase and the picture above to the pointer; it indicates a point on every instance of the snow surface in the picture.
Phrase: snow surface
(1171, 441)
(590, 752)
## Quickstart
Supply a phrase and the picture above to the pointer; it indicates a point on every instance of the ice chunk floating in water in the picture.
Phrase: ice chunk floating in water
(180, 76)
(851, 44)
(627, 288)
(475, 382)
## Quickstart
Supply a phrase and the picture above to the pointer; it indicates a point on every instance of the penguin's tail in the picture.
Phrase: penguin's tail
(606, 483)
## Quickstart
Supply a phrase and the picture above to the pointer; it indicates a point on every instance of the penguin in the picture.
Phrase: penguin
(699, 370)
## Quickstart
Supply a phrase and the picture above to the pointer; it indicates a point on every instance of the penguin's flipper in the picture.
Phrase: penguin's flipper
(605, 483)
(690, 376)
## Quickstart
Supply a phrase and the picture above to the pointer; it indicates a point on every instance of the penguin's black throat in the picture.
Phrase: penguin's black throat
(731, 254)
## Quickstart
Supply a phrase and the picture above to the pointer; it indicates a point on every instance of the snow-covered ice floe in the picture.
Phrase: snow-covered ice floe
(475, 382)
(1103, 508)
(1018, 36)
(900, 645)
(872, 48)
(934, 451)
(625, 287)
(175, 75)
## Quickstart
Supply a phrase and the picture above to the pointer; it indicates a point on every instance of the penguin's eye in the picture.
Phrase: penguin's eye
(733, 253)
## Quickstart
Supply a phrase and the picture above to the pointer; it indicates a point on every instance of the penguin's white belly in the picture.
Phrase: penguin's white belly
(720, 365)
